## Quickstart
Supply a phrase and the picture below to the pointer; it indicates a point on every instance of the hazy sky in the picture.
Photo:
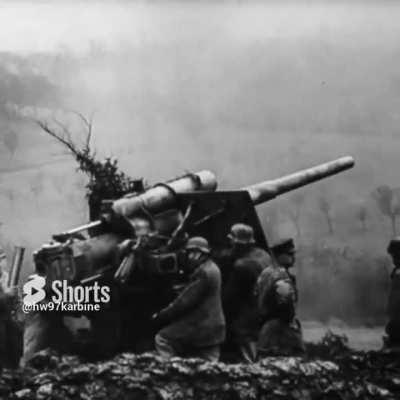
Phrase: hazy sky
(46, 25)
(249, 90)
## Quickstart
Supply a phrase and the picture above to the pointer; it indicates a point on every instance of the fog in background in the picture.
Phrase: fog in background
(249, 90)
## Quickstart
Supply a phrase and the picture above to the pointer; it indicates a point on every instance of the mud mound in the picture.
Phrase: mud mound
(147, 376)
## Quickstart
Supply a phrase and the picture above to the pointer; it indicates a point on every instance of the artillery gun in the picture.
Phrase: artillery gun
(145, 275)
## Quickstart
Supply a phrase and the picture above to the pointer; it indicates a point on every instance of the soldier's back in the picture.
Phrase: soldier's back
(204, 323)
(393, 325)
(281, 332)
(266, 289)
(240, 301)
(394, 295)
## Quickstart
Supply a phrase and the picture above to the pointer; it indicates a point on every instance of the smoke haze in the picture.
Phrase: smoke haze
(249, 90)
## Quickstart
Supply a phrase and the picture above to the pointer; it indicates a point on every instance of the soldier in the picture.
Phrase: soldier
(3, 270)
(10, 332)
(393, 325)
(284, 253)
(44, 329)
(240, 303)
(195, 324)
(277, 297)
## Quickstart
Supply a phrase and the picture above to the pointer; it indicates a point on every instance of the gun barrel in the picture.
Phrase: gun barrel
(267, 190)
(16, 265)
(161, 197)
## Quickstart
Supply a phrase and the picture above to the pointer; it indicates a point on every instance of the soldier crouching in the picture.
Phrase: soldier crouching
(194, 321)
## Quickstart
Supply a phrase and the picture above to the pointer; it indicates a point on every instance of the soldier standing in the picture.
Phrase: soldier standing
(284, 253)
(10, 332)
(3, 270)
(239, 299)
(393, 325)
(9, 347)
(195, 324)
(44, 329)
(277, 298)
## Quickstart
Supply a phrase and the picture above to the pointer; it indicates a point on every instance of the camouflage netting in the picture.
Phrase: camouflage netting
(350, 375)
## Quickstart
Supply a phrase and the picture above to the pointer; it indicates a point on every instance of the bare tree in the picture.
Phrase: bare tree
(388, 201)
(10, 140)
(9, 192)
(272, 222)
(106, 181)
(326, 209)
(61, 132)
(37, 184)
(294, 210)
(362, 216)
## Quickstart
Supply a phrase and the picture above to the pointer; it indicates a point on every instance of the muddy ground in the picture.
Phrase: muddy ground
(330, 370)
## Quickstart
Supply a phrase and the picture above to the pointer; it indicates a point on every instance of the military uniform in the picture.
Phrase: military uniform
(195, 323)
(239, 299)
(393, 307)
(277, 297)
(282, 247)
(10, 332)
(45, 330)
(5, 321)
(10, 329)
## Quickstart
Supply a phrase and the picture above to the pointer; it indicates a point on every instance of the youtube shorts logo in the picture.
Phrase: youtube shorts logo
(34, 290)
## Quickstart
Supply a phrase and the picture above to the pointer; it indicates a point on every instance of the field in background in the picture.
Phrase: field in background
(360, 338)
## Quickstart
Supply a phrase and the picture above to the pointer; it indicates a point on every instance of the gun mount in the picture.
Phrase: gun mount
(187, 206)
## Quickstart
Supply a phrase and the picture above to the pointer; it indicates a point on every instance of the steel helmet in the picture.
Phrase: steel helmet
(198, 243)
(242, 234)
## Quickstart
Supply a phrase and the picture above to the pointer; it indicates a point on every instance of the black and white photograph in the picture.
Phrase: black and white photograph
(199, 200)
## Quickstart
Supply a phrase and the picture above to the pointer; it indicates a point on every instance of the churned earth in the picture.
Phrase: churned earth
(331, 370)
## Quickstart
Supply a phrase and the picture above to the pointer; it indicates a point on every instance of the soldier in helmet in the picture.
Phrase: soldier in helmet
(393, 325)
(194, 324)
(239, 300)
(277, 298)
